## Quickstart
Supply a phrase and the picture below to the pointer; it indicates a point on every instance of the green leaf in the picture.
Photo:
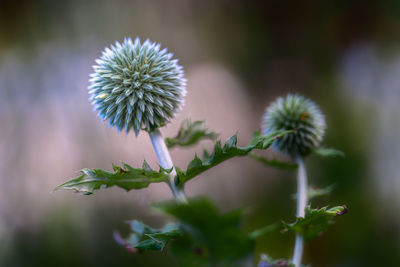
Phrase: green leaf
(328, 152)
(314, 192)
(267, 261)
(144, 237)
(315, 222)
(221, 153)
(125, 177)
(190, 134)
(274, 163)
(189, 253)
(209, 236)
(263, 231)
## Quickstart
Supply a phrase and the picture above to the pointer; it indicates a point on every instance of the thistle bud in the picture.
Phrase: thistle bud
(295, 112)
(136, 86)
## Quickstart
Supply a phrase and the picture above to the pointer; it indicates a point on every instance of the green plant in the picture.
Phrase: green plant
(307, 122)
(140, 87)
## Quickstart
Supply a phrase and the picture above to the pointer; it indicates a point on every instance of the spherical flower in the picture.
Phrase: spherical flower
(295, 112)
(137, 86)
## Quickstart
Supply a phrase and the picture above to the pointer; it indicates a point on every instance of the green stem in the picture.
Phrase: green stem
(165, 161)
(301, 205)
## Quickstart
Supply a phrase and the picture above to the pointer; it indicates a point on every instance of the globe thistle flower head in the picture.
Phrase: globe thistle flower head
(295, 112)
(137, 86)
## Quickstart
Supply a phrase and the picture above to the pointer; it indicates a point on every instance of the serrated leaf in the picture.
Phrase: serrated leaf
(221, 153)
(315, 221)
(328, 152)
(274, 162)
(125, 177)
(190, 133)
(144, 237)
(210, 237)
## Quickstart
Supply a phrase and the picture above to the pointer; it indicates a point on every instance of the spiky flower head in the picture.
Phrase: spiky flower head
(295, 112)
(137, 86)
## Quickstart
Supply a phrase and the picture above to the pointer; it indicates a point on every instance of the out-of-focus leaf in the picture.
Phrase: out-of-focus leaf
(125, 177)
(144, 237)
(209, 236)
(267, 261)
(315, 222)
(328, 152)
(263, 231)
(274, 162)
(189, 253)
(190, 133)
(221, 153)
(314, 192)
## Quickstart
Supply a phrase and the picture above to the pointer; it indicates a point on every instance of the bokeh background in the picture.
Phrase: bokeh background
(238, 57)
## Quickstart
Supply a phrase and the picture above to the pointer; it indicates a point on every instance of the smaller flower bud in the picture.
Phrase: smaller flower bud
(295, 112)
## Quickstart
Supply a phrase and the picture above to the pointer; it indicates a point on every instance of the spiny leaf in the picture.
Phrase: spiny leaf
(190, 133)
(274, 163)
(144, 237)
(125, 177)
(316, 221)
(328, 152)
(210, 237)
(225, 152)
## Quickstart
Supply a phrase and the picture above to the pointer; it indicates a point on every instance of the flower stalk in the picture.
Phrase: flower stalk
(165, 161)
(301, 205)
(139, 86)
(295, 112)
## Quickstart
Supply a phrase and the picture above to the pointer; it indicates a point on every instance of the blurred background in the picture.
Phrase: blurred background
(238, 56)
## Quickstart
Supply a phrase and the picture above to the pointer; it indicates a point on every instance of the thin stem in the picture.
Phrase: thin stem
(298, 250)
(165, 161)
(301, 205)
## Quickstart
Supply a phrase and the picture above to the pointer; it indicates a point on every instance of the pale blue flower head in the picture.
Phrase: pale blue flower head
(137, 86)
(295, 112)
